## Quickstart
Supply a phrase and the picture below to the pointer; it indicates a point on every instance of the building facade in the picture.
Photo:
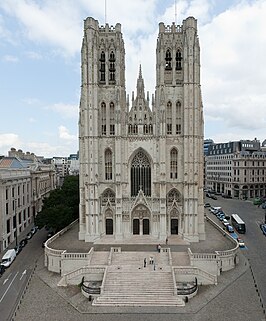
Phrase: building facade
(237, 169)
(24, 183)
(141, 163)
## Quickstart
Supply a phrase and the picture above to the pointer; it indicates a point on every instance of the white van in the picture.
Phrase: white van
(8, 258)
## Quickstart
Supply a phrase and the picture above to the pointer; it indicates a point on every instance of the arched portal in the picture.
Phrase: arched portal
(141, 220)
(109, 227)
(174, 226)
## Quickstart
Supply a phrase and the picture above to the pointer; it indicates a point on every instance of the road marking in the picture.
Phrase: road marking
(8, 287)
(23, 273)
(7, 278)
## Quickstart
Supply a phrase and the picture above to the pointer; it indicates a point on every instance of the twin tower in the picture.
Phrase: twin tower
(141, 161)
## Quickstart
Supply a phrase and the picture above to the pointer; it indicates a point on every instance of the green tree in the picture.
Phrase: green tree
(61, 207)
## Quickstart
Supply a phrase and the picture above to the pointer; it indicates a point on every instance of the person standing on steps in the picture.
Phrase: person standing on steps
(159, 248)
(145, 262)
(166, 241)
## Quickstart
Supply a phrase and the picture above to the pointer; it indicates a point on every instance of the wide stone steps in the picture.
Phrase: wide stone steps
(128, 285)
(137, 258)
(100, 258)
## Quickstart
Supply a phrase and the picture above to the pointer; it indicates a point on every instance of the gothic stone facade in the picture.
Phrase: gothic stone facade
(141, 164)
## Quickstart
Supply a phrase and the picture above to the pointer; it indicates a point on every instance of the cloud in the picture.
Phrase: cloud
(31, 101)
(50, 22)
(64, 134)
(65, 110)
(233, 81)
(33, 55)
(10, 58)
(7, 141)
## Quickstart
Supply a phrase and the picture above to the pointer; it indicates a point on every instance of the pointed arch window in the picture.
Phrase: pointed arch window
(172, 196)
(108, 196)
(178, 60)
(173, 163)
(178, 118)
(103, 114)
(140, 174)
(168, 60)
(112, 119)
(169, 118)
(102, 67)
(112, 66)
(108, 164)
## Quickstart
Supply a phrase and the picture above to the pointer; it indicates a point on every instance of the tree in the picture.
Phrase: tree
(61, 207)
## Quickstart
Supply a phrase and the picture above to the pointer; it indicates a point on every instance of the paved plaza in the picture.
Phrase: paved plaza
(234, 298)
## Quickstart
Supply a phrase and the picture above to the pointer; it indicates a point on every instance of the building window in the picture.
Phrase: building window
(169, 118)
(102, 67)
(112, 66)
(173, 163)
(7, 226)
(178, 60)
(112, 119)
(178, 118)
(140, 174)
(108, 164)
(168, 59)
(103, 112)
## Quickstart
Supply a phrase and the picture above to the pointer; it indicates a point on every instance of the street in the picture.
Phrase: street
(254, 239)
(15, 278)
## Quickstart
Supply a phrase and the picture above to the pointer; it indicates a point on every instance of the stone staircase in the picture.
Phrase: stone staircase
(129, 283)
(99, 258)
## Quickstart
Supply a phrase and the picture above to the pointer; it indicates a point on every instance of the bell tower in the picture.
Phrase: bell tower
(101, 118)
(179, 118)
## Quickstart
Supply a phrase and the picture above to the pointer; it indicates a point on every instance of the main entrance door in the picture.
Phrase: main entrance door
(136, 226)
(146, 226)
(174, 226)
(109, 226)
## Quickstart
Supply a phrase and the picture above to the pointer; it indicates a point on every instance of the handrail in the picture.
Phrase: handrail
(104, 279)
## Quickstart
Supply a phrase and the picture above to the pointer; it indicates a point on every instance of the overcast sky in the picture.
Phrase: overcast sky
(40, 43)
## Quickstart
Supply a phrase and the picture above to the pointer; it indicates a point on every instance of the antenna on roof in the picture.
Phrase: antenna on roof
(175, 12)
(105, 11)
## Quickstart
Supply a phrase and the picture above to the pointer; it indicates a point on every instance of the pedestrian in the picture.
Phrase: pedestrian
(154, 265)
(166, 241)
(159, 248)
(151, 260)
(145, 262)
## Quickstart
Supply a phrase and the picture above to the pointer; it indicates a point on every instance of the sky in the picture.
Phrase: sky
(40, 43)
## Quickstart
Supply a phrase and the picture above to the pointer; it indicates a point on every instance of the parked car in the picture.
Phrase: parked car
(23, 242)
(241, 243)
(29, 236)
(18, 249)
(230, 228)
(225, 222)
(263, 228)
(8, 258)
(34, 229)
(2, 269)
(207, 205)
(50, 234)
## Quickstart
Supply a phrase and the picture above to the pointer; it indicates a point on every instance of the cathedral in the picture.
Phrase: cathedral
(141, 160)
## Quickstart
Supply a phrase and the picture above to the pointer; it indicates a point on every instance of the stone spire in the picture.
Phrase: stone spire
(140, 85)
